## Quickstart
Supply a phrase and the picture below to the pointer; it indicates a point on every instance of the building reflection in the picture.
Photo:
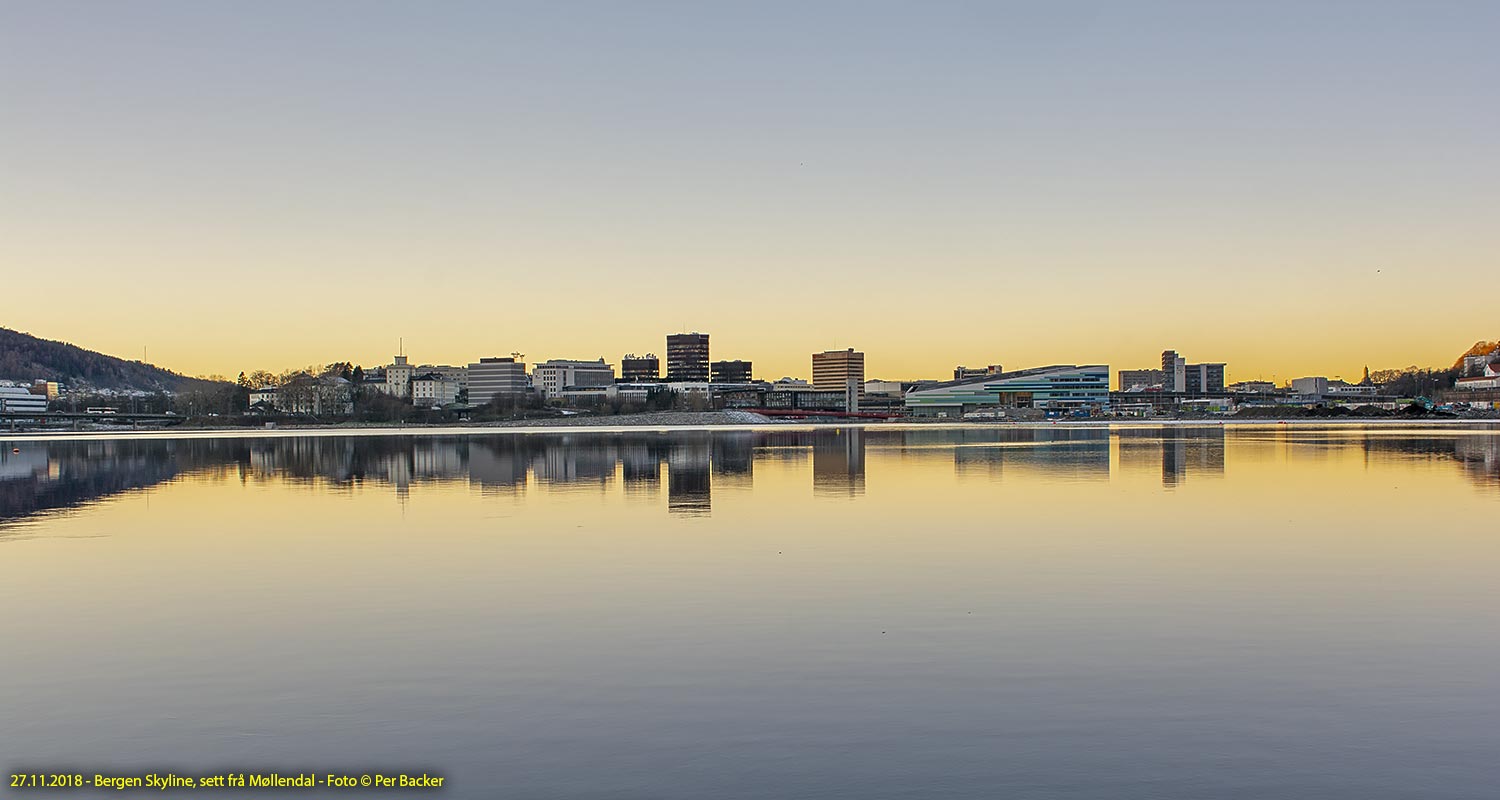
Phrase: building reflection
(1056, 451)
(839, 463)
(37, 477)
(1178, 451)
(689, 487)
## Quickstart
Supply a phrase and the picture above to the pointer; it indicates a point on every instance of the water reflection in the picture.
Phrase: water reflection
(1181, 450)
(41, 476)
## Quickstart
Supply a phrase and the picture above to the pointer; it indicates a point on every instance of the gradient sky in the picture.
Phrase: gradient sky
(1294, 188)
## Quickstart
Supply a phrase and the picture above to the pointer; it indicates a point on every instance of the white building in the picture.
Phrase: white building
(17, 399)
(557, 374)
(264, 397)
(434, 389)
(398, 378)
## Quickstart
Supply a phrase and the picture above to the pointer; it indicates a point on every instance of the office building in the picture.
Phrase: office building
(730, 371)
(1138, 380)
(495, 377)
(1063, 387)
(687, 357)
(555, 375)
(840, 371)
(17, 399)
(1184, 378)
(640, 369)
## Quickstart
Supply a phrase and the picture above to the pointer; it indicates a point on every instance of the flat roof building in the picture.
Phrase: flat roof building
(555, 375)
(687, 357)
(730, 371)
(1141, 379)
(494, 377)
(1180, 376)
(634, 368)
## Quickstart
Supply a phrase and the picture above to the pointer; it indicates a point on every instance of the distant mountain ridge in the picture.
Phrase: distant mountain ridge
(24, 357)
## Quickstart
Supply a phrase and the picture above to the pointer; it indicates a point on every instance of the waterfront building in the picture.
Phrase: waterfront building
(554, 375)
(1253, 387)
(687, 357)
(730, 372)
(640, 369)
(840, 371)
(1060, 387)
(47, 389)
(874, 388)
(494, 377)
(1310, 388)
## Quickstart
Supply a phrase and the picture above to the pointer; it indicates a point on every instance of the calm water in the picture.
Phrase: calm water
(1258, 612)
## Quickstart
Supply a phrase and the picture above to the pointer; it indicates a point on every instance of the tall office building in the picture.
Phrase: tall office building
(492, 377)
(687, 357)
(840, 371)
(640, 369)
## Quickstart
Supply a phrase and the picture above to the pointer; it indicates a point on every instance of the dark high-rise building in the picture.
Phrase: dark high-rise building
(634, 368)
(687, 357)
(730, 371)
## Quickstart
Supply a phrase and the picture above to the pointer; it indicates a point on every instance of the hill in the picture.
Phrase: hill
(1480, 348)
(24, 357)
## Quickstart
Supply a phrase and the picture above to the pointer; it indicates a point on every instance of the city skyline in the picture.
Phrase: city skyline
(959, 184)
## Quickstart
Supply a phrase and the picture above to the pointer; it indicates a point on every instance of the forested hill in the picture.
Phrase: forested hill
(24, 357)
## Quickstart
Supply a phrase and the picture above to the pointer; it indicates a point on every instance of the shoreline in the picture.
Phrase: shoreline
(601, 426)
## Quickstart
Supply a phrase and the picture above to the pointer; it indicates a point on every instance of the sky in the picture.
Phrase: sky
(1292, 188)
